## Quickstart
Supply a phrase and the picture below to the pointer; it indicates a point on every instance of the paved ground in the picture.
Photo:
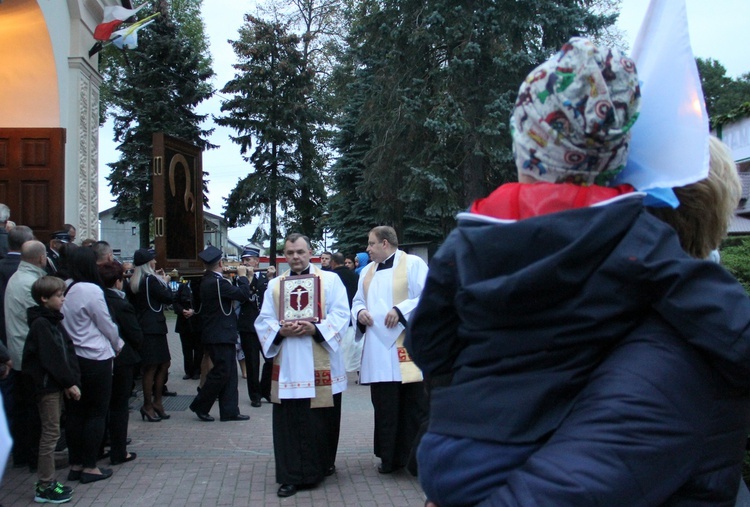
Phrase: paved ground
(187, 462)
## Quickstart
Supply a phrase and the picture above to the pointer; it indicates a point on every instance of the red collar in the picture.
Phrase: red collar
(516, 201)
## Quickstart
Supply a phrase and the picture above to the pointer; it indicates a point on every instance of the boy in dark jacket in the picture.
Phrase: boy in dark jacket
(50, 360)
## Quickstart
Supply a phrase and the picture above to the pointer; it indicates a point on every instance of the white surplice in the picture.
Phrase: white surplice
(297, 373)
(379, 356)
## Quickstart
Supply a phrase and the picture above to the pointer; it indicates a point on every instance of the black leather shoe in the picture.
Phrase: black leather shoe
(331, 470)
(387, 469)
(255, 403)
(86, 477)
(186, 377)
(121, 461)
(74, 475)
(286, 490)
(204, 417)
(168, 393)
(238, 417)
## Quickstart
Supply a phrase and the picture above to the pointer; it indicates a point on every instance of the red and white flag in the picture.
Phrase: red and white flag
(113, 17)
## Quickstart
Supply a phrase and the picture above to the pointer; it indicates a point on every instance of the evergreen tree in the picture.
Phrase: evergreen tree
(441, 77)
(155, 88)
(721, 93)
(270, 91)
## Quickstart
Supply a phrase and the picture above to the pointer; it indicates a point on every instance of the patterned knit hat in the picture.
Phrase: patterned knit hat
(572, 119)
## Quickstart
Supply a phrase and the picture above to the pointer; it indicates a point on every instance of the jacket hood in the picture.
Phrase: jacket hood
(38, 311)
(521, 267)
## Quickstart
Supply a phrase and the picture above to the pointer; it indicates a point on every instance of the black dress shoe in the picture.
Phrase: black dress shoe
(286, 490)
(86, 477)
(331, 470)
(203, 417)
(74, 475)
(238, 417)
(121, 461)
(168, 393)
(187, 377)
(255, 403)
(387, 469)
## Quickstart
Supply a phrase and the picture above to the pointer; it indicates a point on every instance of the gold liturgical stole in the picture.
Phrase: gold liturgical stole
(321, 358)
(409, 371)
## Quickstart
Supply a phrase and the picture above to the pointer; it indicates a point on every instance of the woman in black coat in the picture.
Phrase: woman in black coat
(148, 292)
(123, 314)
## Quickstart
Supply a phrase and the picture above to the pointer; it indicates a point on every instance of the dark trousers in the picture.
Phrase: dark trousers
(26, 425)
(252, 351)
(265, 378)
(122, 385)
(6, 388)
(221, 382)
(399, 410)
(192, 352)
(305, 440)
(86, 417)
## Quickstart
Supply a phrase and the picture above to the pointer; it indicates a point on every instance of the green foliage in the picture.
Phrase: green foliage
(735, 256)
(427, 88)
(270, 107)
(154, 88)
(723, 94)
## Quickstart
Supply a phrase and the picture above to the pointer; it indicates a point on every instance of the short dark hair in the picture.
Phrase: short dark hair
(102, 250)
(46, 287)
(386, 232)
(110, 272)
(19, 235)
(293, 237)
(338, 258)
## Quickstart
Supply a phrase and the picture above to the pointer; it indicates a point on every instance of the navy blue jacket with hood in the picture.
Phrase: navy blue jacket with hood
(520, 312)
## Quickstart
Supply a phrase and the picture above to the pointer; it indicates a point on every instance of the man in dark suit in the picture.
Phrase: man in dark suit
(220, 322)
(348, 278)
(4, 217)
(57, 240)
(249, 311)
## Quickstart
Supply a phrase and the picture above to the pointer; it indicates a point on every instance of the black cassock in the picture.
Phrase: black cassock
(305, 440)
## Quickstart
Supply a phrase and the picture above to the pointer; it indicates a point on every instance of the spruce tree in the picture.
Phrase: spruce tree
(267, 110)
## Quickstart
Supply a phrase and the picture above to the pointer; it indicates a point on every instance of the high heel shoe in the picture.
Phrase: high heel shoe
(161, 413)
(146, 416)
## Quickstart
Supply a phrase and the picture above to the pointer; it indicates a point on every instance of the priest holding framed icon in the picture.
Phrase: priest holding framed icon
(304, 315)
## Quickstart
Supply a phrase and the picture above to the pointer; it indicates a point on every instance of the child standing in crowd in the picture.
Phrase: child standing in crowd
(50, 359)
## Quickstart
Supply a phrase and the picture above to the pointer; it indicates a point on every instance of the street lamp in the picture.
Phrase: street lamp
(323, 225)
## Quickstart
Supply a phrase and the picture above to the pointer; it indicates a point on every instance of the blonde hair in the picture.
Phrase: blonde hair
(707, 206)
(141, 272)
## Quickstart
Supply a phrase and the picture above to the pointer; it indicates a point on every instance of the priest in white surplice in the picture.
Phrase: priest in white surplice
(389, 289)
(308, 374)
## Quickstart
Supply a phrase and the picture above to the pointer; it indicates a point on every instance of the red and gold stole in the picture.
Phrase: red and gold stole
(321, 357)
(409, 371)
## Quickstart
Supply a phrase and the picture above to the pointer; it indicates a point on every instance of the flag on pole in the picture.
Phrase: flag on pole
(127, 38)
(114, 16)
(669, 145)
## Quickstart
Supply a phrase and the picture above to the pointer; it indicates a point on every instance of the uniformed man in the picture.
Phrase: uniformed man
(219, 322)
(249, 311)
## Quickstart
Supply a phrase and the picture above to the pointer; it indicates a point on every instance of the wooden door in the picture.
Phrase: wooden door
(32, 177)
